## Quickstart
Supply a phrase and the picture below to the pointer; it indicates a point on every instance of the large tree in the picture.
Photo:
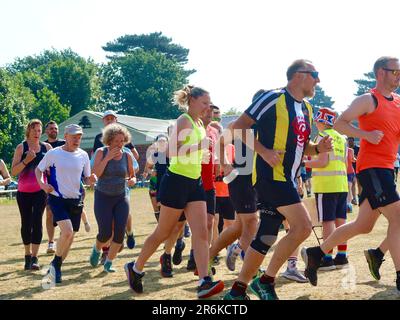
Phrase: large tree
(367, 83)
(72, 78)
(142, 82)
(320, 99)
(15, 101)
(153, 41)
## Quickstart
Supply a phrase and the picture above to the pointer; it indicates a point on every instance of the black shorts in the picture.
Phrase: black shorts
(243, 195)
(331, 206)
(276, 193)
(176, 190)
(225, 208)
(66, 209)
(378, 187)
(210, 200)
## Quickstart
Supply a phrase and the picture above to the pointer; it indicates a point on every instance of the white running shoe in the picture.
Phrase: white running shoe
(51, 248)
(295, 275)
(231, 256)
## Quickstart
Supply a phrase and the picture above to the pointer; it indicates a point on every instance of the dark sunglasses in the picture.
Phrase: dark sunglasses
(313, 74)
(393, 71)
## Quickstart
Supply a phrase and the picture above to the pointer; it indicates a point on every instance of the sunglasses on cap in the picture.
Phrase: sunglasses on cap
(394, 72)
(313, 74)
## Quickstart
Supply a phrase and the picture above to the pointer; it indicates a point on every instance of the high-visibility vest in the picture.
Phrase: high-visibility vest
(332, 178)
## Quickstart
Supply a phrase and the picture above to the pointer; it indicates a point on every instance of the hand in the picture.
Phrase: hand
(48, 188)
(30, 155)
(325, 144)
(374, 137)
(227, 169)
(272, 157)
(131, 182)
(92, 179)
(113, 153)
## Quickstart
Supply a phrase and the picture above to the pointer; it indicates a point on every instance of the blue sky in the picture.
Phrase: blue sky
(236, 46)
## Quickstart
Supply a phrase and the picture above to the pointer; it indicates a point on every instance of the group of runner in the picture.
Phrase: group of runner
(248, 174)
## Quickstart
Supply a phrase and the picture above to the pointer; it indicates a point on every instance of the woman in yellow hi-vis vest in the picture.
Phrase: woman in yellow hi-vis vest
(329, 179)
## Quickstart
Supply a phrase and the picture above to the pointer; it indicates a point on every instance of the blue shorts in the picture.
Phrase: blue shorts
(331, 206)
(350, 177)
(66, 209)
(276, 194)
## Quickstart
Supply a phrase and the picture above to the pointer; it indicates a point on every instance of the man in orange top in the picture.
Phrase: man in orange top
(378, 113)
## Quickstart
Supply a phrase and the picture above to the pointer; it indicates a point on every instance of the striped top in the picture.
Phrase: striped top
(283, 123)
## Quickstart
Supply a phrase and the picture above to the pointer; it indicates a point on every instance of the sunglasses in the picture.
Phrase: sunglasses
(393, 71)
(313, 74)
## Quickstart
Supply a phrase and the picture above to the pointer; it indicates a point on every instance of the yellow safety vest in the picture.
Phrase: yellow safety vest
(332, 178)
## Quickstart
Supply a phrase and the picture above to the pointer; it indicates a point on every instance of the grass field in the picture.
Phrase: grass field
(81, 281)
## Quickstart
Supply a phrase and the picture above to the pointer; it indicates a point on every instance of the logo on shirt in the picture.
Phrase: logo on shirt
(301, 129)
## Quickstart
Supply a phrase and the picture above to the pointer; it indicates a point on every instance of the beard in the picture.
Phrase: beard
(53, 136)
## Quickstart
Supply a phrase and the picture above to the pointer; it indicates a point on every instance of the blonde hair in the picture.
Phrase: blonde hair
(182, 96)
(31, 124)
(112, 130)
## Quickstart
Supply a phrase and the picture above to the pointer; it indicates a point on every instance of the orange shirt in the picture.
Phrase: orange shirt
(385, 118)
(221, 188)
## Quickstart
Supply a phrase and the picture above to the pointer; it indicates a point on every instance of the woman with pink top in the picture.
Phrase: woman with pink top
(31, 198)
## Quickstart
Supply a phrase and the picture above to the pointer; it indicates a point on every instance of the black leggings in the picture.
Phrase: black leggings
(109, 211)
(31, 207)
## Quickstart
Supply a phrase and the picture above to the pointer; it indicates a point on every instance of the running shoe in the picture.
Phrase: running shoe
(341, 261)
(177, 257)
(229, 296)
(51, 248)
(94, 257)
(231, 256)
(327, 265)
(87, 227)
(186, 232)
(264, 291)
(166, 266)
(294, 275)
(35, 264)
(130, 241)
(134, 279)
(28, 262)
(108, 267)
(374, 263)
(312, 264)
(209, 288)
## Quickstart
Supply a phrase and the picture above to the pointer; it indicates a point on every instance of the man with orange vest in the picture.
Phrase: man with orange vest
(329, 179)
(378, 113)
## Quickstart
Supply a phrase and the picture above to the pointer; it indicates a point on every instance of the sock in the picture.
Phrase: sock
(316, 252)
(238, 289)
(95, 249)
(179, 243)
(328, 256)
(57, 261)
(342, 249)
(157, 215)
(136, 270)
(105, 249)
(108, 260)
(292, 261)
(379, 253)
(267, 279)
(201, 281)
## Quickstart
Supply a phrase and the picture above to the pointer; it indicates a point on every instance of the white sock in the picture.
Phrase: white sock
(136, 270)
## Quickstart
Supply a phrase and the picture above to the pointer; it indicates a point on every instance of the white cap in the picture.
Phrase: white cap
(73, 129)
(109, 113)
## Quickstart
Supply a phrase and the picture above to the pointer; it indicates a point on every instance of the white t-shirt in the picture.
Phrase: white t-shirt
(66, 171)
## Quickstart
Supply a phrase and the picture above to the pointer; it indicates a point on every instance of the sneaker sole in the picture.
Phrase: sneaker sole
(341, 266)
(217, 289)
(366, 254)
(293, 278)
(330, 268)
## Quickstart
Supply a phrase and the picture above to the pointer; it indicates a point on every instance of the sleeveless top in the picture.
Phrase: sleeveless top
(386, 118)
(113, 180)
(189, 165)
(26, 179)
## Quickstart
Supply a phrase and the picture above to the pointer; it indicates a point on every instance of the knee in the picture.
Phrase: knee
(301, 232)
(68, 234)
(250, 224)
